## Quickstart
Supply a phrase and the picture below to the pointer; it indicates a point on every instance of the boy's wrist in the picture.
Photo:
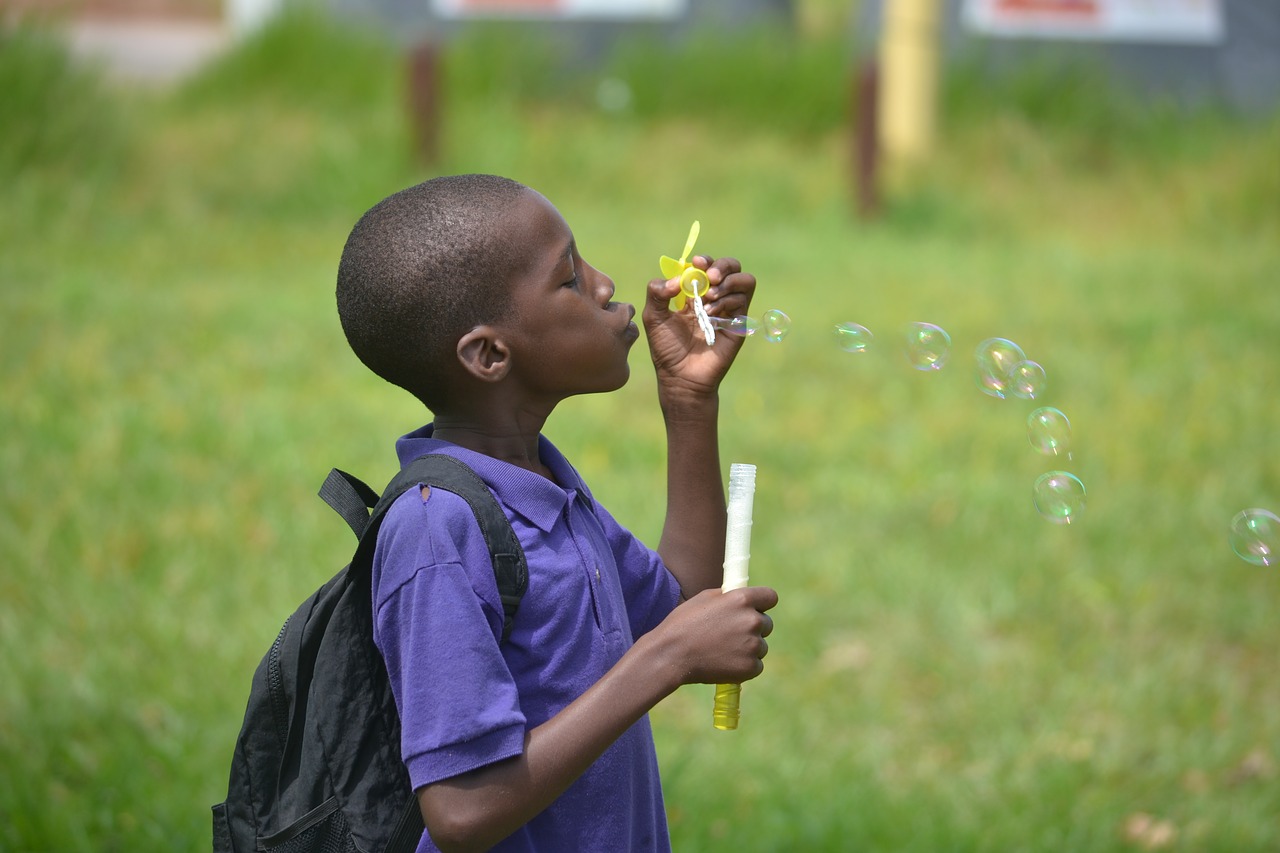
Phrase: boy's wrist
(688, 403)
(663, 666)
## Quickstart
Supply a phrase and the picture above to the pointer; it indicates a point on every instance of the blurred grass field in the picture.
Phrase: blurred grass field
(949, 670)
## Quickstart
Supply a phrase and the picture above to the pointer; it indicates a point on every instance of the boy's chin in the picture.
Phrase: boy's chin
(615, 385)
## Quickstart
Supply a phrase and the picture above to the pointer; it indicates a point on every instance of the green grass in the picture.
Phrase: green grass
(949, 671)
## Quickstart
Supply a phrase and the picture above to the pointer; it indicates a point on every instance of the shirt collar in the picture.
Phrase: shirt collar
(525, 493)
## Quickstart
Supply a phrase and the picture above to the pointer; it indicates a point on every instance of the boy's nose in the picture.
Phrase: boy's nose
(604, 285)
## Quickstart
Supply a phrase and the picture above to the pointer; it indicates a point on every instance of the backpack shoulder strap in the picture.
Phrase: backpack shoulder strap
(350, 498)
(510, 568)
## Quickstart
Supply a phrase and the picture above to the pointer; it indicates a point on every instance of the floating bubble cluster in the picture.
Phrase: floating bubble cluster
(853, 337)
(1255, 536)
(928, 347)
(1059, 496)
(1002, 370)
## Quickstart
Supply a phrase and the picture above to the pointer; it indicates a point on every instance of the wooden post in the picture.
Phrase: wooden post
(866, 143)
(424, 100)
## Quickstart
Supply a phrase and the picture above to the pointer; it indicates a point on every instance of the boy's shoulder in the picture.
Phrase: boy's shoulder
(450, 520)
(438, 519)
(430, 526)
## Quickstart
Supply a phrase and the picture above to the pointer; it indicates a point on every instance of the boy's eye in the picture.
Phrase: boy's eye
(573, 282)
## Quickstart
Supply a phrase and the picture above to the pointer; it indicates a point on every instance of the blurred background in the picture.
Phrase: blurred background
(1097, 181)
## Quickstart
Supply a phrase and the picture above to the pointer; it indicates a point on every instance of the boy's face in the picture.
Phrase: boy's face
(567, 335)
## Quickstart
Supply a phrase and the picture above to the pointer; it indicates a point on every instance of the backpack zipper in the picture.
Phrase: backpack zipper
(275, 687)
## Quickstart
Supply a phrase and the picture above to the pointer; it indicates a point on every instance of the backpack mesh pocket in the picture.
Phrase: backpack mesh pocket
(323, 830)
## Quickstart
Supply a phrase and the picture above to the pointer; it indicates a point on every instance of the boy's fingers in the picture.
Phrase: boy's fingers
(724, 266)
(707, 265)
(727, 303)
(732, 293)
(730, 289)
(660, 292)
(761, 598)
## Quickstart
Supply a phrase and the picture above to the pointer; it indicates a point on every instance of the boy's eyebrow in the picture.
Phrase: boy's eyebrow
(567, 255)
(555, 264)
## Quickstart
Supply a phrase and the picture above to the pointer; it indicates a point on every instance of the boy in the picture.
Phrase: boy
(469, 292)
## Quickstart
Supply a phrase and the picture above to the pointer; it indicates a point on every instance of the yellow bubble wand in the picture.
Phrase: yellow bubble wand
(737, 554)
(693, 283)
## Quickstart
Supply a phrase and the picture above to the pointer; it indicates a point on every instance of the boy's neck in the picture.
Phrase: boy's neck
(513, 445)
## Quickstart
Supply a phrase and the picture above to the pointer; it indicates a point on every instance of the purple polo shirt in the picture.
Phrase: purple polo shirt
(465, 698)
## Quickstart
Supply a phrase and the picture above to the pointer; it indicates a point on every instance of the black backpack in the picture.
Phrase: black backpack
(317, 765)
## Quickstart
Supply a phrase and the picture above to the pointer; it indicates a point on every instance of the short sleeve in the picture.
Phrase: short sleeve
(437, 621)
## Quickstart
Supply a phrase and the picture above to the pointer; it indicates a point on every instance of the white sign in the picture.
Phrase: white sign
(559, 9)
(245, 16)
(1185, 21)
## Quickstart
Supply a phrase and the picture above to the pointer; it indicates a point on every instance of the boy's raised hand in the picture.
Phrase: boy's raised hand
(680, 354)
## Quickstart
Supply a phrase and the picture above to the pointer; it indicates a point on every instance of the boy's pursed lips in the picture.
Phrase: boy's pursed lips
(630, 331)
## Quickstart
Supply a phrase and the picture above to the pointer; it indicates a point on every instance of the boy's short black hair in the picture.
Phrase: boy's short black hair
(422, 268)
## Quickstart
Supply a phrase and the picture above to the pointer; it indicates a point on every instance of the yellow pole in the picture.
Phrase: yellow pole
(908, 81)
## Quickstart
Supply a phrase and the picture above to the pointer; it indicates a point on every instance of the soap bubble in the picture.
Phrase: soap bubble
(1027, 380)
(613, 95)
(741, 325)
(996, 358)
(1255, 536)
(1049, 431)
(776, 325)
(1059, 496)
(853, 337)
(928, 346)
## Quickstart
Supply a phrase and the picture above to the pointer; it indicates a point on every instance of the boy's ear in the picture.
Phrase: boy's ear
(483, 354)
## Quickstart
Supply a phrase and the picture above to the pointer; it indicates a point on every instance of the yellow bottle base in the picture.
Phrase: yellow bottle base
(724, 716)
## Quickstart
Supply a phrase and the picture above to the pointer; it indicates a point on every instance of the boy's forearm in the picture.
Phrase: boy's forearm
(692, 543)
(689, 373)
(713, 639)
(479, 809)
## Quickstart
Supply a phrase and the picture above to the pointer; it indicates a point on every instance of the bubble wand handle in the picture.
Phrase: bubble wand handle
(737, 554)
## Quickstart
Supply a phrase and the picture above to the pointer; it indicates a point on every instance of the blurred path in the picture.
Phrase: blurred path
(147, 51)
